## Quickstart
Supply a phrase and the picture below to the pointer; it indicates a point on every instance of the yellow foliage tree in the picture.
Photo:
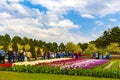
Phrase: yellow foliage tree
(91, 48)
(113, 48)
(27, 47)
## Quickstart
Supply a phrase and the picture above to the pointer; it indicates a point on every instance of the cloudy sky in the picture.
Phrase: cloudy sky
(58, 20)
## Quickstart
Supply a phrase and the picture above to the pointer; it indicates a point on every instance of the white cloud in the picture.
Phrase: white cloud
(97, 7)
(18, 19)
(87, 16)
(13, 1)
(99, 23)
(64, 24)
(112, 20)
(60, 6)
(109, 26)
(5, 15)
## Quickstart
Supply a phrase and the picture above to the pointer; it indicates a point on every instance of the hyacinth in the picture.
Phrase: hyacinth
(88, 64)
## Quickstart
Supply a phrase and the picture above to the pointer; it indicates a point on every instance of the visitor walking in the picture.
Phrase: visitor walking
(2, 56)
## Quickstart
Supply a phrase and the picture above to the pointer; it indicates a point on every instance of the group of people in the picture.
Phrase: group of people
(97, 55)
(11, 56)
(60, 54)
(20, 55)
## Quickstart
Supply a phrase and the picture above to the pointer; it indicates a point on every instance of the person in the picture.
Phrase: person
(76, 54)
(48, 54)
(10, 56)
(72, 54)
(93, 55)
(2, 55)
(98, 55)
(108, 55)
(25, 57)
(14, 56)
(44, 55)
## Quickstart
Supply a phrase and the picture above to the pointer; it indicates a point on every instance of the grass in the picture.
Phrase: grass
(5, 75)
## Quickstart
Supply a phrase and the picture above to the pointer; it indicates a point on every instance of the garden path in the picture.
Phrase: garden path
(109, 65)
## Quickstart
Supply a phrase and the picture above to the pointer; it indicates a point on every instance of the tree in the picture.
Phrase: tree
(62, 47)
(23, 48)
(83, 45)
(14, 46)
(109, 36)
(2, 40)
(55, 47)
(32, 50)
(7, 39)
(27, 47)
(17, 39)
(91, 48)
(39, 52)
(40, 44)
(49, 47)
(25, 40)
(71, 47)
(113, 48)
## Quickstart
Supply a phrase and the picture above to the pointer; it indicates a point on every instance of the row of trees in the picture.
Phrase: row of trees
(110, 41)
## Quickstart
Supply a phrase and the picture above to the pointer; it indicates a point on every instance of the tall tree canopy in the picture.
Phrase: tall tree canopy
(109, 36)
(72, 47)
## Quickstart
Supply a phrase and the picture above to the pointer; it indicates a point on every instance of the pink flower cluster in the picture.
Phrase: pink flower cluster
(87, 64)
(62, 62)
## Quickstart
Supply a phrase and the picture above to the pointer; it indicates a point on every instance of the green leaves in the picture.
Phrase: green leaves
(71, 47)
(113, 48)
(99, 71)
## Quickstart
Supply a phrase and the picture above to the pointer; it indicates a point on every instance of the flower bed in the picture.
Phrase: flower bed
(60, 63)
(88, 64)
(6, 65)
(49, 67)
(40, 61)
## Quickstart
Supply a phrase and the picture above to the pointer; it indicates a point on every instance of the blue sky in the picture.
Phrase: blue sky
(59, 20)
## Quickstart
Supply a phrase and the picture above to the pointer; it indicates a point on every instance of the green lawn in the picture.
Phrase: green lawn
(4, 75)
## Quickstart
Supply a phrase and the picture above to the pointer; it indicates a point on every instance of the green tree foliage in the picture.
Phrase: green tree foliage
(61, 47)
(14, 46)
(113, 48)
(23, 48)
(39, 52)
(91, 48)
(7, 39)
(27, 47)
(71, 47)
(83, 45)
(32, 50)
(109, 36)
(40, 44)
(49, 47)
(25, 40)
(55, 47)
(17, 39)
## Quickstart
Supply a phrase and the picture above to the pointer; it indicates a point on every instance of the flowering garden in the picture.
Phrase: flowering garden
(81, 67)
